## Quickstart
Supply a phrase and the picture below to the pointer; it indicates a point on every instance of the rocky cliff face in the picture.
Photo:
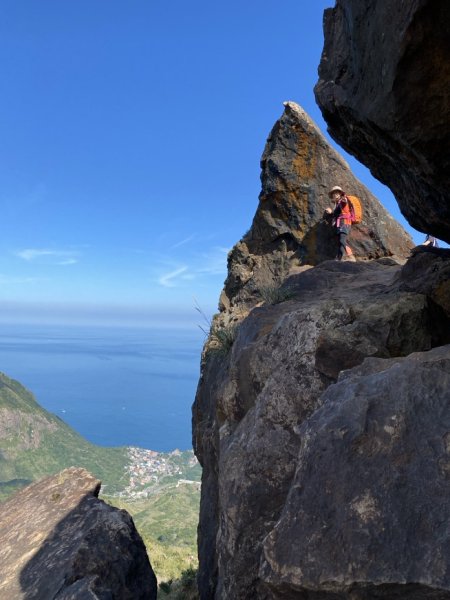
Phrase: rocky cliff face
(59, 541)
(368, 507)
(384, 92)
(298, 168)
(323, 427)
(315, 481)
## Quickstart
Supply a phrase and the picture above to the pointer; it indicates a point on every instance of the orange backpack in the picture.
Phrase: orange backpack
(355, 209)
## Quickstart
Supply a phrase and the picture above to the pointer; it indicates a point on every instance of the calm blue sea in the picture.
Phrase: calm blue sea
(115, 386)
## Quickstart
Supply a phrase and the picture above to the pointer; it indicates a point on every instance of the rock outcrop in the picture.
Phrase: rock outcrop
(59, 541)
(298, 168)
(266, 413)
(367, 515)
(384, 90)
(323, 425)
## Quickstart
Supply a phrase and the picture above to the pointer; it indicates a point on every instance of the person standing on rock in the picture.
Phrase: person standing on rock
(342, 221)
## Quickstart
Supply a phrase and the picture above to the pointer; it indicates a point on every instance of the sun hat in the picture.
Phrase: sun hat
(335, 189)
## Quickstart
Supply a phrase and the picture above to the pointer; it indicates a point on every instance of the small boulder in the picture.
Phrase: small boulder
(58, 541)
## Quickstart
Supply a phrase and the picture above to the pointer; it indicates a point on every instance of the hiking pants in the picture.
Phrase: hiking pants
(342, 233)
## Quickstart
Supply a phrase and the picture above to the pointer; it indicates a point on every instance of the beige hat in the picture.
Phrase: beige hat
(335, 189)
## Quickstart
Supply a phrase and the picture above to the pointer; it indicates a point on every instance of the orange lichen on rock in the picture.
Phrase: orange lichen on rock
(304, 162)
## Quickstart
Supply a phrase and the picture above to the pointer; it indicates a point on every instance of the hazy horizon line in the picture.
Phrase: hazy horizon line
(59, 313)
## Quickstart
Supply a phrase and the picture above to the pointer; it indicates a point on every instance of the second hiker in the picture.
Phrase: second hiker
(342, 221)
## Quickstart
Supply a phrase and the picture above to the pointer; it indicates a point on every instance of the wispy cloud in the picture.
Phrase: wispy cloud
(6, 280)
(58, 257)
(212, 262)
(183, 242)
(32, 253)
(168, 280)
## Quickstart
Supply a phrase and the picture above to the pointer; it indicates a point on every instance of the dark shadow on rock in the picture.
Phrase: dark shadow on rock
(320, 243)
(93, 552)
(443, 252)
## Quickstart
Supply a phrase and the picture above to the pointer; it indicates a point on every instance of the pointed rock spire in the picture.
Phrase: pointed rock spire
(299, 167)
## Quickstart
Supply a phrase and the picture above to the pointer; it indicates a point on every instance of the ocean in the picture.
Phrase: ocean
(114, 385)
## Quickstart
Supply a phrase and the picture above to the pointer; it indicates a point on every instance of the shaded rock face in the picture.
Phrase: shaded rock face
(59, 541)
(299, 168)
(384, 90)
(323, 433)
(276, 423)
(367, 511)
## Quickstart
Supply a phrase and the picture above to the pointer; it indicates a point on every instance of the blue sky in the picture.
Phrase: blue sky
(131, 139)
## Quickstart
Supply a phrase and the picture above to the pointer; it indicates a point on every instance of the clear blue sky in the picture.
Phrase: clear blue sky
(131, 138)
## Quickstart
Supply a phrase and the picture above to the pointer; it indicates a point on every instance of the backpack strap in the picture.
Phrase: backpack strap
(352, 209)
(342, 217)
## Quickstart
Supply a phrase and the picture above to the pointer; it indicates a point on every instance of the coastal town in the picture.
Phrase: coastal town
(148, 471)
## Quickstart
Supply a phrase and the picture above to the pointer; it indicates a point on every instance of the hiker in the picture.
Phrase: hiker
(341, 219)
(430, 241)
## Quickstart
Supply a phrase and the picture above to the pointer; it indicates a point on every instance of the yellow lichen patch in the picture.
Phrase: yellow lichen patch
(304, 161)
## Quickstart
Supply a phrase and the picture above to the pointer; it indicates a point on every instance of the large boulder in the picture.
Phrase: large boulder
(298, 168)
(58, 541)
(384, 90)
(368, 511)
(288, 235)
(322, 423)
(254, 404)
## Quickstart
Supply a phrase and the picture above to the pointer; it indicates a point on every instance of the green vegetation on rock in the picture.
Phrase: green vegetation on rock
(167, 523)
(184, 588)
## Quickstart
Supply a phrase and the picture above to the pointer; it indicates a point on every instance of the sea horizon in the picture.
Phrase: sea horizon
(121, 385)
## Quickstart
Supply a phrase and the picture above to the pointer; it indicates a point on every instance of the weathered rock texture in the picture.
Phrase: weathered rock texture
(384, 90)
(324, 431)
(299, 168)
(59, 541)
(367, 514)
(316, 488)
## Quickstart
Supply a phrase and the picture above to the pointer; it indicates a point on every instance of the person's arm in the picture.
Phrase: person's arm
(338, 210)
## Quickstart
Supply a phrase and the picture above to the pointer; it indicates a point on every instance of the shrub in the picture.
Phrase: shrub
(188, 585)
(223, 337)
(274, 295)
(165, 586)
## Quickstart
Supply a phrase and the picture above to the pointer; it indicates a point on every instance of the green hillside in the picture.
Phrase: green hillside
(35, 443)
(161, 491)
(167, 523)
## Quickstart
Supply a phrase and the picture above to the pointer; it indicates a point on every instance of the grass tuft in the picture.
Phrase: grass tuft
(184, 588)
(221, 336)
(276, 295)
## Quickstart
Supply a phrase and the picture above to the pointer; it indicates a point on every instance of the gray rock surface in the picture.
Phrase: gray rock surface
(58, 541)
(298, 168)
(254, 405)
(368, 511)
(323, 431)
(384, 90)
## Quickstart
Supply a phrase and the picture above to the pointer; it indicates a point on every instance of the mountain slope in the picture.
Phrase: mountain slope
(35, 443)
(159, 490)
